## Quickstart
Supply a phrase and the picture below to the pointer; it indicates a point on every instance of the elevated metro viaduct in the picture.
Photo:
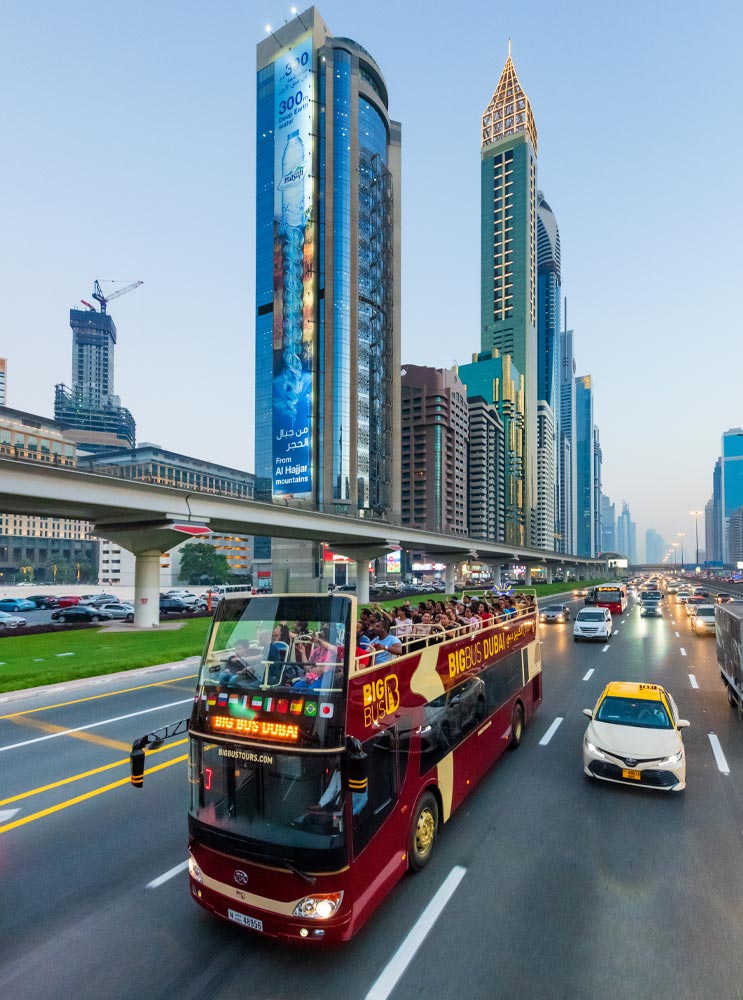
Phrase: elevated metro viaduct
(149, 520)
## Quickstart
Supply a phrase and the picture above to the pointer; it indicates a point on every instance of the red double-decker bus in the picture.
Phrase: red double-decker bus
(612, 596)
(318, 778)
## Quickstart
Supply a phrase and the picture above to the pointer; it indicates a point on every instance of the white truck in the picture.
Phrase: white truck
(729, 621)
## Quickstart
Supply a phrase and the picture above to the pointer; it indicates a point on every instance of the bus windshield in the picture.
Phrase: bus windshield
(608, 595)
(287, 804)
(275, 671)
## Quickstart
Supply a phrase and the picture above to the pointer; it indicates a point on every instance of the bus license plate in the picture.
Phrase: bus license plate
(635, 775)
(241, 918)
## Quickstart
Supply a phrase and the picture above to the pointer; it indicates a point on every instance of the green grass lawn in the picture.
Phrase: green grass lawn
(34, 660)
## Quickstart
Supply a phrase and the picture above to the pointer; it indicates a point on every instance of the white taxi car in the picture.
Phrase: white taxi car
(634, 737)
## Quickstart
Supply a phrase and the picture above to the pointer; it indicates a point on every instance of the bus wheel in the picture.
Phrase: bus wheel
(423, 832)
(517, 728)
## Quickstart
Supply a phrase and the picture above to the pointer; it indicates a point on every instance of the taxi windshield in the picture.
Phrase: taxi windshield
(643, 712)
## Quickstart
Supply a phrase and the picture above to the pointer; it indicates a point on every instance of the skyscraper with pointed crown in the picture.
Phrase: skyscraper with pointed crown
(509, 265)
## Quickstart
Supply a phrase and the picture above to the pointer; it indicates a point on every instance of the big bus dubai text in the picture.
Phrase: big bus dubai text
(319, 777)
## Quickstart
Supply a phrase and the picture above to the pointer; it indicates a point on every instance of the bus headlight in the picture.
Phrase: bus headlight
(193, 869)
(318, 907)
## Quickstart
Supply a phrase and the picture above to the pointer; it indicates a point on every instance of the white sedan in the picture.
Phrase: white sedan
(634, 737)
(11, 621)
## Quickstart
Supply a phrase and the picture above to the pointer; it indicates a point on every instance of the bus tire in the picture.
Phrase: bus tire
(423, 831)
(517, 727)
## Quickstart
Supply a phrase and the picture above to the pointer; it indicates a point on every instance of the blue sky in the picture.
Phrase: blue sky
(129, 154)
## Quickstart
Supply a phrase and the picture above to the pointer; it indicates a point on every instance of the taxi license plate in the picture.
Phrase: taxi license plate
(635, 775)
(241, 918)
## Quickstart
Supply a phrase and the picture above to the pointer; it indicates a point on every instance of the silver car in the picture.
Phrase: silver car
(650, 609)
(703, 620)
(11, 621)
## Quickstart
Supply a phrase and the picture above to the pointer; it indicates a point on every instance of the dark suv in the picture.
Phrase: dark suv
(175, 606)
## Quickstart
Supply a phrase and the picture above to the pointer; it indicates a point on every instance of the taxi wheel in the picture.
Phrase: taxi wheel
(517, 728)
(423, 832)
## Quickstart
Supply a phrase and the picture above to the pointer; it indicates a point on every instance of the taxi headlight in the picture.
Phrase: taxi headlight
(318, 907)
(193, 869)
(592, 748)
(674, 758)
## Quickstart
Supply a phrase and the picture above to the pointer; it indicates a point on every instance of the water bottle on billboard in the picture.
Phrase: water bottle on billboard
(292, 230)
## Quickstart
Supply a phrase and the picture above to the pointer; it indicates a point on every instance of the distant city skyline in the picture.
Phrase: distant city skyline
(165, 194)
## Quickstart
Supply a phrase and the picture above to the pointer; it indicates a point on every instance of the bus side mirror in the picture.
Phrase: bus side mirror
(136, 760)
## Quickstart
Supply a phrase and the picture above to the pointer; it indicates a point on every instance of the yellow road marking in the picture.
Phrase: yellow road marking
(49, 727)
(82, 798)
(85, 774)
(94, 697)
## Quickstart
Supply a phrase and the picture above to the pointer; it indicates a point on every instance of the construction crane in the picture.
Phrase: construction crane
(105, 299)
(92, 308)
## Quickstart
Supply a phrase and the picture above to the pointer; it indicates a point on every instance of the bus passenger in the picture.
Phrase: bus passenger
(386, 645)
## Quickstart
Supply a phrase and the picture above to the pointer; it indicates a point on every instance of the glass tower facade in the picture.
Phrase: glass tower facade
(585, 466)
(731, 483)
(349, 317)
(509, 263)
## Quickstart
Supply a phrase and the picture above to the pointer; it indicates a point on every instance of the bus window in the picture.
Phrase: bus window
(368, 815)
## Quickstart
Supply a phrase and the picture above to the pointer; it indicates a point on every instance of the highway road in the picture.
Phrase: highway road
(544, 885)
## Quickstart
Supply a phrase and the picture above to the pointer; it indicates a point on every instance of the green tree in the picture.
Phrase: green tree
(201, 563)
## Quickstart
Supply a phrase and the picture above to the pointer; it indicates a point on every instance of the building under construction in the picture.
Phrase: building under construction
(90, 412)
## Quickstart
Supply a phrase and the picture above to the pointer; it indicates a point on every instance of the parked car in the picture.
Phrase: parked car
(592, 623)
(95, 600)
(187, 596)
(16, 604)
(174, 606)
(124, 612)
(11, 621)
(45, 601)
(81, 613)
(68, 601)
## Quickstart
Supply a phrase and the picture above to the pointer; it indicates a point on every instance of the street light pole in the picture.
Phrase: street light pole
(675, 546)
(695, 514)
(681, 536)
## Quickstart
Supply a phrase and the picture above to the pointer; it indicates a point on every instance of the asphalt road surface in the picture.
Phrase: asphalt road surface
(544, 885)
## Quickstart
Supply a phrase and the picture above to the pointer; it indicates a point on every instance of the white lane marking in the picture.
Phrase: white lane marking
(682, 651)
(605, 649)
(94, 725)
(167, 875)
(588, 674)
(722, 764)
(677, 635)
(550, 732)
(693, 681)
(401, 959)
(6, 814)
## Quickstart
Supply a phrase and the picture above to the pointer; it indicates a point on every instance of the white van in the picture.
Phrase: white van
(592, 623)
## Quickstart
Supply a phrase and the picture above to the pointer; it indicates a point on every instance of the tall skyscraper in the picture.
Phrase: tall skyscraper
(435, 434)
(90, 412)
(509, 260)
(3, 381)
(549, 295)
(655, 546)
(731, 483)
(627, 534)
(585, 470)
(494, 377)
(486, 473)
(567, 448)
(327, 394)
(608, 525)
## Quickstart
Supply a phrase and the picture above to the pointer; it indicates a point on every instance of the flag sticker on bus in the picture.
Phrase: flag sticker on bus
(310, 708)
(326, 710)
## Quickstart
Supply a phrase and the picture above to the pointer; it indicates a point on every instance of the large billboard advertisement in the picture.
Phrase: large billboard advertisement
(293, 282)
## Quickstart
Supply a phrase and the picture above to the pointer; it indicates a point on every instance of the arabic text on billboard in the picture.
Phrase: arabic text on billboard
(293, 284)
